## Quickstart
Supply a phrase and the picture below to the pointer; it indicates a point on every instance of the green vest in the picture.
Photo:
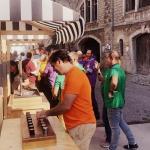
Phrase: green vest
(118, 99)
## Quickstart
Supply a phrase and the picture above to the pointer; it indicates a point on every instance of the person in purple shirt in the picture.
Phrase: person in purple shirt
(89, 64)
(48, 80)
(49, 71)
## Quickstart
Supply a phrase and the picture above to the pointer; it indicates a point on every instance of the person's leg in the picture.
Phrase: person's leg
(82, 135)
(95, 105)
(114, 119)
(106, 125)
(125, 128)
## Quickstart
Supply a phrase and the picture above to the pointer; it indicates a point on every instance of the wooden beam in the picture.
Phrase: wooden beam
(50, 33)
(40, 26)
(21, 41)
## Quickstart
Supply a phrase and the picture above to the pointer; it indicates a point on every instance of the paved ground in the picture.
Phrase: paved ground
(137, 107)
(141, 132)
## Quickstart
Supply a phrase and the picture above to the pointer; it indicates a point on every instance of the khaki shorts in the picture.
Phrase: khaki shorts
(82, 135)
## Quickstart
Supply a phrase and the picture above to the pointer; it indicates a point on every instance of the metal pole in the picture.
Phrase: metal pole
(20, 74)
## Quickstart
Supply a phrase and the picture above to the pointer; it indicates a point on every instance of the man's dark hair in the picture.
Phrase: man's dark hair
(60, 55)
(29, 55)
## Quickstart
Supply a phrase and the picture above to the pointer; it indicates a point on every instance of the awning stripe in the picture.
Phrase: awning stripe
(36, 9)
(15, 10)
(69, 33)
(66, 34)
(79, 29)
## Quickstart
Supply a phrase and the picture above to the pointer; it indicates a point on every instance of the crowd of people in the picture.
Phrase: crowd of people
(68, 81)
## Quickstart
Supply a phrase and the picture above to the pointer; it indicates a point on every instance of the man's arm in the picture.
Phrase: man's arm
(113, 85)
(100, 76)
(63, 106)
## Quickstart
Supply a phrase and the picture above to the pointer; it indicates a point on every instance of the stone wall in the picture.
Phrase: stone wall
(114, 24)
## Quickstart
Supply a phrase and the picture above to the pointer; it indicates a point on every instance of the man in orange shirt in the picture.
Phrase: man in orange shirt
(76, 105)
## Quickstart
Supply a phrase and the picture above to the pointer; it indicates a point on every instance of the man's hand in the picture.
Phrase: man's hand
(41, 114)
(97, 65)
(110, 95)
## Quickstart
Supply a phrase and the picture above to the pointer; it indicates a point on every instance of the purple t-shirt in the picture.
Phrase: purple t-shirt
(89, 66)
(49, 71)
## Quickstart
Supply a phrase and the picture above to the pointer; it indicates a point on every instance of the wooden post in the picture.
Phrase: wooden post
(5, 75)
(1, 89)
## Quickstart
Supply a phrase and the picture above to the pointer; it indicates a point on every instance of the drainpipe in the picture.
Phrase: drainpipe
(112, 24)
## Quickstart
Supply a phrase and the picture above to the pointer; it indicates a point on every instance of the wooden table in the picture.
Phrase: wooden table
(11, 138)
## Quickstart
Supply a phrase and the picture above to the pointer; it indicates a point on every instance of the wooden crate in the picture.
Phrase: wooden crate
(30, 142)
(16, 112)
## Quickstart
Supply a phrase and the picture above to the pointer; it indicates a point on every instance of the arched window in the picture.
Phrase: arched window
(144, 3)
(88, 10)
(121, 45)
(94, 10)
(130, 5)
(82, 10)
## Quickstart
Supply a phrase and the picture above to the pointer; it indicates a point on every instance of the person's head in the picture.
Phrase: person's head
(44, 58)
(14, 67)
(61, 61)
(29, 55)
(74, 56)
(22, 54)
(106, 61)
(89, 53)
(79, 54)
(115, 57)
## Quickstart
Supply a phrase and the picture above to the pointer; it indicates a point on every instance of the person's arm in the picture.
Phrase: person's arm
(55, 91)
(62, 107)
(113, 85)
(100, 76)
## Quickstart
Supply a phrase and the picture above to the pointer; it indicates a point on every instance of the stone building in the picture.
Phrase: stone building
(122, 25)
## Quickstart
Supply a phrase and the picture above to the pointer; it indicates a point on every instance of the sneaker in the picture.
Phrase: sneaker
(105, 145)
(131, 146)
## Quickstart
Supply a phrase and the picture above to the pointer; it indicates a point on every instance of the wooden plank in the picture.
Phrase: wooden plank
(11, 135)
(4, 75)
(1, 111)
(26, 33)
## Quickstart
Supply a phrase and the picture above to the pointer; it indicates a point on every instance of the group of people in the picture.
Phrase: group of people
(68, 81)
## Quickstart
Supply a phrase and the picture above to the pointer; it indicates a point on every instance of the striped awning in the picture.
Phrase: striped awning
(66, 32)
(66, 23)
(35, 10)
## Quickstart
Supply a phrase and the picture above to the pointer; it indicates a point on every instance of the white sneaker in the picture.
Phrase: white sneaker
(105, 145)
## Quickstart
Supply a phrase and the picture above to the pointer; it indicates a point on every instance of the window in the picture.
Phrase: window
(88, 10)
(15, 25)
(3, 25)
(121, 46)
(143, 3)
(28, 27)
(82, 10)
(130, 5)
(94, 10)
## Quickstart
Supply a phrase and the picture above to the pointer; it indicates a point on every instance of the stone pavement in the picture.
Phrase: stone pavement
(140, 131)
(137, 108)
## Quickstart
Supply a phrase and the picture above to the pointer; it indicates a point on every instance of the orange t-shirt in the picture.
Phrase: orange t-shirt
(81, 112)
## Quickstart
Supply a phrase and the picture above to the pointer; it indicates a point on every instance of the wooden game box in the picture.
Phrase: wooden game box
(39, 138)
